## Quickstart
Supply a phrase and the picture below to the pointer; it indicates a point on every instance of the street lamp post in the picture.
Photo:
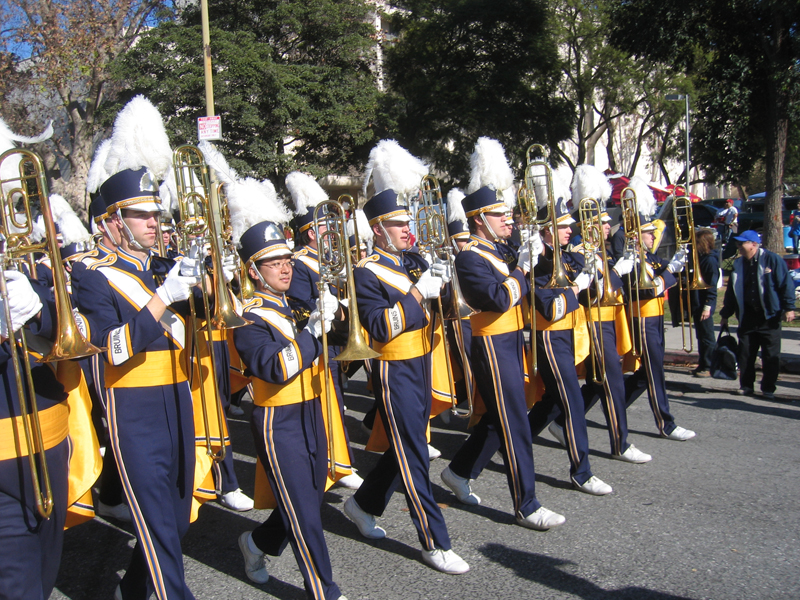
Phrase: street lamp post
(686, 98)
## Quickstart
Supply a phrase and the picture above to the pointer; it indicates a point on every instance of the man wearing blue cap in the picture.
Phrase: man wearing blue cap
(392, 306)
(759, 290)
(136, 306)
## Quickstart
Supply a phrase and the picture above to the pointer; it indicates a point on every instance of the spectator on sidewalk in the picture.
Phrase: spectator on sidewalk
(704, 302)
(759, 290)
(727, 221)
(794, 228)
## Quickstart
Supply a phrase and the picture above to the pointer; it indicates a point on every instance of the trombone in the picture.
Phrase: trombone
(642, 280)
(334, 257)
(30, 186)
(200, 225)
(434, 238)
(685, 240)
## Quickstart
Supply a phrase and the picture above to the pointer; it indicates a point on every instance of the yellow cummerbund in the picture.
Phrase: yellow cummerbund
(569, 321)
(55, 428)
(148, 369)
(606, 313)
(494, 323)
(648, 308)
(303, 387)
(410, 344)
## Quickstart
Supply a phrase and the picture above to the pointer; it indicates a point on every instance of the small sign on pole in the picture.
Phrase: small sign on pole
(209, 128)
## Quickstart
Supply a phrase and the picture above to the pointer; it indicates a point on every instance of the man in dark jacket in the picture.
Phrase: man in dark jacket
(759, 290)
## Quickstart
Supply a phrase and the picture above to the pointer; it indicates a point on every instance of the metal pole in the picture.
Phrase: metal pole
(687, 144)
(207, 58)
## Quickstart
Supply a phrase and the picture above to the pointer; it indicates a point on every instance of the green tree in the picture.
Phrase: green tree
(461, 69)
(745, 60)
(291, 81)
(55, 58)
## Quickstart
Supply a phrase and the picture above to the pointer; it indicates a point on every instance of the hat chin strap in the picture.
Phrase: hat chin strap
(489, 227)
(265, 284)
(389, 244)
(132, 242)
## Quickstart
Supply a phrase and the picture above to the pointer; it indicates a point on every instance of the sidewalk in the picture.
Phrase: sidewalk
(674, 354)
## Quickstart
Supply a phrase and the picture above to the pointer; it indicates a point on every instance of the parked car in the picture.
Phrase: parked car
(702, 214)
(751, 215)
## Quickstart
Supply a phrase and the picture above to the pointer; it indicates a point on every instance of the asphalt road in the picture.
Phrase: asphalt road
(714, 517)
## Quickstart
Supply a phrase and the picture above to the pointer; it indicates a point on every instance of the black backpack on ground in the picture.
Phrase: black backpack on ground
(724, 357)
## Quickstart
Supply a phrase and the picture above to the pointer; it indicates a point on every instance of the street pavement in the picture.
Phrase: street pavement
(714, 517)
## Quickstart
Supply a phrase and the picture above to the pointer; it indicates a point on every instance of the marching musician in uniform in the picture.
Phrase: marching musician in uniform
(287, 421)
(647, 306)
(562, 341)
(303, 292)
(496, 289)
(614, 340)
(392, 309)
(31, 550)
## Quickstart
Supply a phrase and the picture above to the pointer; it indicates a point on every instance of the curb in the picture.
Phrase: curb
(679, 358)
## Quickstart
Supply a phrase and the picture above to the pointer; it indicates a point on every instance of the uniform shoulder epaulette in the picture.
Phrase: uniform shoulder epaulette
(106, 261)
(364, 261)
(84, 255)
(302, 252)
(252, 303)
(470, 245)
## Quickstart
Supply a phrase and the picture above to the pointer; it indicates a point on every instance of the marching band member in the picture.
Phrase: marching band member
(31, 550)
(135, 304)
(648, 325)
(496, 288)
(287, 421)
(393, 310)
(303, 293)
(562, 342)
(614, 341)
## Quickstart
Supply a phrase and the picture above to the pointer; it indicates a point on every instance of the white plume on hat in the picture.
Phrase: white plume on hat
(72, 229)
(8, 137)
(306, 193)
(489, 167)
(139, 139)
(97, 171)
(215, 160)
(455, 210)
(394, 168)
(590, 182)
(250, 202)
(645, 200)
(365, 233)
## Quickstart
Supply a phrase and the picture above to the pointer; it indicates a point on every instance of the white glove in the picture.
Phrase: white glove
(177, 287)
(524, 259)
(537, 245)
(229, 267)
(429, 284)
(583, 280)
(23, 302)
(328, 305)
(317, 325)
(190, 267)
(677, 262)
(624, 265)
(441, 269)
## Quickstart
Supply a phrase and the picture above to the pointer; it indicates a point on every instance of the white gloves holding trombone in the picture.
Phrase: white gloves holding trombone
(23, 302)
(320, 320)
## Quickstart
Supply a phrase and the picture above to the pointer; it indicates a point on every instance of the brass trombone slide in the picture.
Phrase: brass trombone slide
(593, 244)
(29, 186)
(434, 238)
(196, 228)
(333, 251)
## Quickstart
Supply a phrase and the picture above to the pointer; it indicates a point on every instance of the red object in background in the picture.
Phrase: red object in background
(412, 239)
(691, 196)
(792, 261)
(620, 182)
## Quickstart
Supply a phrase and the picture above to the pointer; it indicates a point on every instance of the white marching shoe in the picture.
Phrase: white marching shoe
(445, 561)
(120, 511)
(363, 520)
(351, 482)
(236, 500)
(593, 486)
(633, 455)
(541, 519)
(679, 434)
(254, 564)
(460, 487)
(433, 453)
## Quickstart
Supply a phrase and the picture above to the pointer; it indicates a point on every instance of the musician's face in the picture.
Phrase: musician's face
(397, 232)
(165, 235)
(564, 233)
(606, 230)
(143, 225)
(500, 223)
(277, 272)
(648, 238)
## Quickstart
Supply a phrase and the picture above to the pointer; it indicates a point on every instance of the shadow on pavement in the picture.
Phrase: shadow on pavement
(546, 571)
